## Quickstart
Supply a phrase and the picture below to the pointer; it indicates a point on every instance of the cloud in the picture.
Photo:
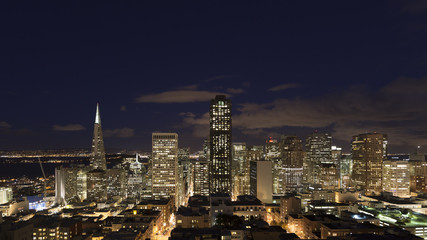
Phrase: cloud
(284, 87)
(398, 109)
(179, 96)
(69, 127)
(120, 132)
(4, 124)
(235, 90)
(190, 87)
(200, 124)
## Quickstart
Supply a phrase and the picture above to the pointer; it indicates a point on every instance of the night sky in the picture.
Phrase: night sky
(290, 67)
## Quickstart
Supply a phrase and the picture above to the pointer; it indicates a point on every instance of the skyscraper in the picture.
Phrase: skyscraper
(220, 145)
(165, 165)
(292, 157)
(97, 160)
(261, 180)
(273, 154)
(96, 183)
(368, 151)
(201, 177)
(396, 178)
(318, 147)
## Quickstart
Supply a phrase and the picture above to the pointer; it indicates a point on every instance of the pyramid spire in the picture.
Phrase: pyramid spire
(97, 117)
(97, 160)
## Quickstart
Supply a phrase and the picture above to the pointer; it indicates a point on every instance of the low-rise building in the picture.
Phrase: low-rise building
(341, 229)
(192, 217)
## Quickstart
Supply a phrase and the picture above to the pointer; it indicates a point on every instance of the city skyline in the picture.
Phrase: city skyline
(289, 69)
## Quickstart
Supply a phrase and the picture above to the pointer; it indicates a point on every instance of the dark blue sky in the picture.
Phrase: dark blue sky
(289, 67)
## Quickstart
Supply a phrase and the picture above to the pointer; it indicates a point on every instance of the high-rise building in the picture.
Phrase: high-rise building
(135, 179)
(261, 182)
(240, 169)
(220, 145)
(96, 182)
(396, 178)
(239, 158)
(368, 152)
(201, 177)
(6, 195)
(318, 148)
(165, 165)
(97, 160)
(273, 153)
(96, 185)
(116, 183)
(70, 184)
(346, 170)
(292, 157)
(336, 153)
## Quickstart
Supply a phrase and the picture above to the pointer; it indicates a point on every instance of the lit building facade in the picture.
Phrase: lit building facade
(368, 152)
(6, 195)
(164, 165)
(261, 182)
(220, 145)
(292, 163)
(418, 173)
(96, 186)
(273, 154)
(116, 183)
(201, 177)
(396, 178)
(240, 169)
(70, 184)
(318, 148)
(135, 179)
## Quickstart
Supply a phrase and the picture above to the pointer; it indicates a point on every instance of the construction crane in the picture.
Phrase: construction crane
(44, 176)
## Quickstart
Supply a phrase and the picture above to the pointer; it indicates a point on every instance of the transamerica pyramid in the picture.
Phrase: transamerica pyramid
(97, 160)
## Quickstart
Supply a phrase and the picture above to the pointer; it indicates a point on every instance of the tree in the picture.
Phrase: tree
(227, 221)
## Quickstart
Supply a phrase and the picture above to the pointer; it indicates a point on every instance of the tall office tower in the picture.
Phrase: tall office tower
(273, 154)
(180, 185)
(418, 173)
(116, 183)
(184, 169)
(220, 145)
(69, 183)
(368, 151)
(261, 180)
(346, 169)
(239, 168)
(329, 176)
(97, 161)
(292, 163)
(164, 166)
(396, 178)
(239, 158)
(201, 177)
(336, 153)
(318, 147)
(82, 183)
(135, 179)
(96, 185)
(242, 181)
